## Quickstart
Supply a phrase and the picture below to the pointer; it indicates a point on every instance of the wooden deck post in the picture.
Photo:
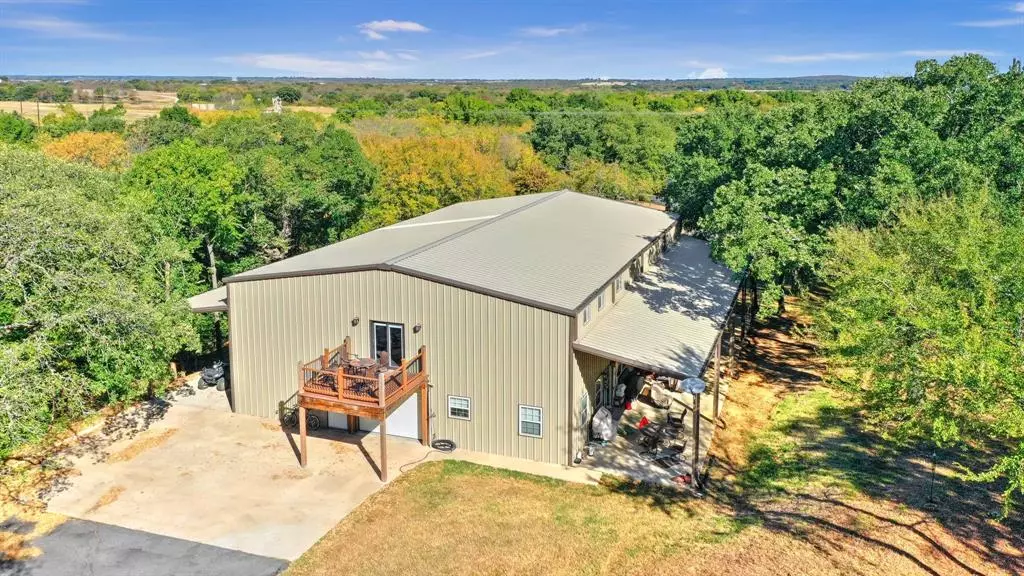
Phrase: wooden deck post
(346, 348)
(353, 423)
(302, 435)
(424, 417)
(424, 398)
(718, 374)
(325, 360)
(383, 426)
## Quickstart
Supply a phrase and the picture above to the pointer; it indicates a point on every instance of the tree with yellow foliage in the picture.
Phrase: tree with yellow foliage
(419, 174)
(100, 149)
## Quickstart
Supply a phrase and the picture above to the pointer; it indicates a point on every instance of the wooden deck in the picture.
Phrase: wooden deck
(339, 382)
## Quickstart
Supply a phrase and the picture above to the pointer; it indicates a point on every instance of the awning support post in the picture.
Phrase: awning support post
(718, 373)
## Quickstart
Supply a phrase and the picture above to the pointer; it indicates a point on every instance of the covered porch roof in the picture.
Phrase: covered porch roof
(670, 319)
(215, 300)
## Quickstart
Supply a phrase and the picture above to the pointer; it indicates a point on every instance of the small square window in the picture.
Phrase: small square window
(458, 407)
(600, 302)
(531, 420)
(618, 285)
(586, 315)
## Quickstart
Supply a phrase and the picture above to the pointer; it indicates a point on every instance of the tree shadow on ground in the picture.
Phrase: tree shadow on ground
(816, 472)
(31, 478)
(818, 452)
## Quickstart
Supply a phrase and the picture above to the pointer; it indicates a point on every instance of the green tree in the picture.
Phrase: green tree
(15, 129)
(195, 192)
(925, 323)
(190, 93)
(289, 93)
(181, 115)
(84, 320)
(67, 121)
(107, 120)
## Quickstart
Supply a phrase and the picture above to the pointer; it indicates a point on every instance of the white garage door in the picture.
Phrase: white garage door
(403, 421)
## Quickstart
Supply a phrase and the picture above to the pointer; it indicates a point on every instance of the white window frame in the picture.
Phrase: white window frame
(539, 422)
(586, 315)
(600, 301)
(618, 286)
(469, 407)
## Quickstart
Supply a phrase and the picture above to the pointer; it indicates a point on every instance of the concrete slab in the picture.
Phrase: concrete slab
(230, 481)
(622, 457)
(79, 547)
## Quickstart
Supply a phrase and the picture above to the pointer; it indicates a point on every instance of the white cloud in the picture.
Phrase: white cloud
(694, 63)
(709, 73)
(375, 55)
(944, 53)
(996, 23)
(819, 57)
(60, 28)
(409, 55)
(855, 56)
(308, 65)
(481, 54)
(374, 30)
(1017, 8)
(552, 31)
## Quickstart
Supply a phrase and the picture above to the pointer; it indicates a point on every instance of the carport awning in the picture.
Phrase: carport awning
(669, 320)
(215, 300)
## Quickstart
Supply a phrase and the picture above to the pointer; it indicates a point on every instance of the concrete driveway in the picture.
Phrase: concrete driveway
(204, 475)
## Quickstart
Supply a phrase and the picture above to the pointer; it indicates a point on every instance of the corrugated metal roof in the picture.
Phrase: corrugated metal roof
(551, 250)
(215, 300)
(556, 252)
(377, 247)
(669, 320)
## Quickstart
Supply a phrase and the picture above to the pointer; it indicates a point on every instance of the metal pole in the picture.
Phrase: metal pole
(694, 471)
(718, 370)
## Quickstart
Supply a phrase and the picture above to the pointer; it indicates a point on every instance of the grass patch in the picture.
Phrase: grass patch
(458, 517)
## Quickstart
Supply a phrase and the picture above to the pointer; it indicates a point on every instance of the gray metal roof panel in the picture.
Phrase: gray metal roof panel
(377, 247)
(558, 251)
(669, 320)
(215, 300)
(551, 250)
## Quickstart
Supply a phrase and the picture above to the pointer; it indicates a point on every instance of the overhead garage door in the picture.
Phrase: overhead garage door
(403, 421)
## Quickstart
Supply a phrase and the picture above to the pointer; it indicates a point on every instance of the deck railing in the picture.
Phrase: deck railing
(334, 376)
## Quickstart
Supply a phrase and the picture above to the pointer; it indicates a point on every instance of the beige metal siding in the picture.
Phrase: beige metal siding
(498, 353)
(587, 368)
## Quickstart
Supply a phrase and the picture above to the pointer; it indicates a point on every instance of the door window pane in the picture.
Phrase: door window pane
(397, 347)
(380, 339)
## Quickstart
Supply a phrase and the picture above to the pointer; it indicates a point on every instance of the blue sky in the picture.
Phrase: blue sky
(500, 38)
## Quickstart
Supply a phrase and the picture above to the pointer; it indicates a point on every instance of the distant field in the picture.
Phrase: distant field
(145, 104)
